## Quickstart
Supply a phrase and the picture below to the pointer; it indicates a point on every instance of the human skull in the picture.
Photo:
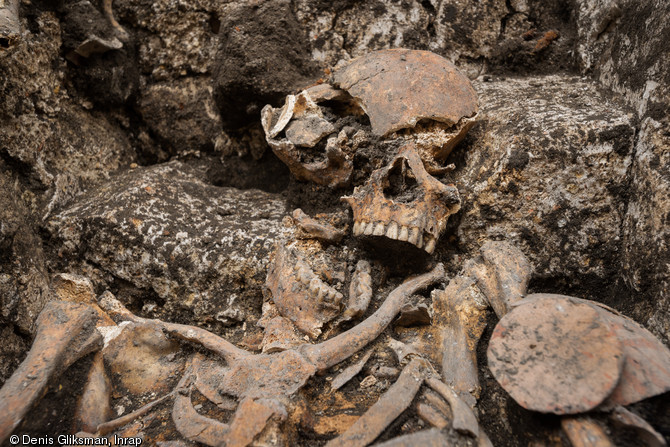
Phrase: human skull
(378, 105)
(386, 98)
(403, 202)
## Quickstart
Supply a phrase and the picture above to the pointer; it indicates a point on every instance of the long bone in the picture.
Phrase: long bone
(389, 406)
(265, 381)
(10, 27)
(66, 332)
(339, 348)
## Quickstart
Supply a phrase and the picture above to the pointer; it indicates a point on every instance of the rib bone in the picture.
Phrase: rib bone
(389, 406)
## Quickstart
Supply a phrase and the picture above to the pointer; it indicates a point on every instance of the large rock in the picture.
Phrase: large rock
(56, 141)
(24, 281)
(198, 247)
(181, 114)
(175, 39)
(453, 28)
(625, 45)
(546, 170)
(646, 229)
(263, 55)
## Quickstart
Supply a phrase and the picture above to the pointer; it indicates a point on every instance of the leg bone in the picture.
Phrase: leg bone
(65, 333)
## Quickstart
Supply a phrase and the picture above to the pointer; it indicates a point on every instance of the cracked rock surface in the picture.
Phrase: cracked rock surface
(196, 247)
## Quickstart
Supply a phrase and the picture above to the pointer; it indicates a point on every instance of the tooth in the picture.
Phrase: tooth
(368, 229)
(331, 294)
(314, 285)
(392, 232)
(413, 236)
(357, 228)
(338, 297)
(430, 245)
(403, 233)
(379, 230)
(321, 292)
(419, 243)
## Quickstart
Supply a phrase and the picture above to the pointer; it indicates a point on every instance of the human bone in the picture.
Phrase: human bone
(407, 96)
(418, 212)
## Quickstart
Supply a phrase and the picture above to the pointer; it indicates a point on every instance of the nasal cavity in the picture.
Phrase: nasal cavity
(401, 185)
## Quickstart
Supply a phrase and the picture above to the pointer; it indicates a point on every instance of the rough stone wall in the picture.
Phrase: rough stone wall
(625, 45)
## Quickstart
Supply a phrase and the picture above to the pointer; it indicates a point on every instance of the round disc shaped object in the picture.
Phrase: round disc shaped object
(555, 355)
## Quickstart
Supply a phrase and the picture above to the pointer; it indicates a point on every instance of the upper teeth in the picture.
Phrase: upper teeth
(393, 230)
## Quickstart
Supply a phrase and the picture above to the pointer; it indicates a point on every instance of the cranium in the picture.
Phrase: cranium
(403, 202)
(381, 98)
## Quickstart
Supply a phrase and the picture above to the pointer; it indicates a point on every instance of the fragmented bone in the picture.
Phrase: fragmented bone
(414, 314)
(341, 347)
(350, 372)
(251, 418)
(502, 273)
(65, 333)
(194, 334)
(585, 432)
(93, 407)
(389, 406)
(206, 380)
(326, 92)
(463, 419)
(402, 351)
(307, 128)
(10, 26)
(439, 404)
(360, 291)
(74, 288)
(556, 355)
(316, 229)
(143, 358)
(398, 88)
(429, 414)
(425, 438)
(299, 294)
(459, 317)
(97, 45)
(418, 218)
(266, 379)
(110, 426)
(646, 432)
(109, 13)
(413, 96)
(189, 422)
(279, 334)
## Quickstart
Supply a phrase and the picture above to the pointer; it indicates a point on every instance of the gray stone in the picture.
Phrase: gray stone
(546, 170)
(181, 114)
(453, 28)
(625, 44)
(200, 248)
(52, 136)
(646, 229)
(24, 281)
(176, 39)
